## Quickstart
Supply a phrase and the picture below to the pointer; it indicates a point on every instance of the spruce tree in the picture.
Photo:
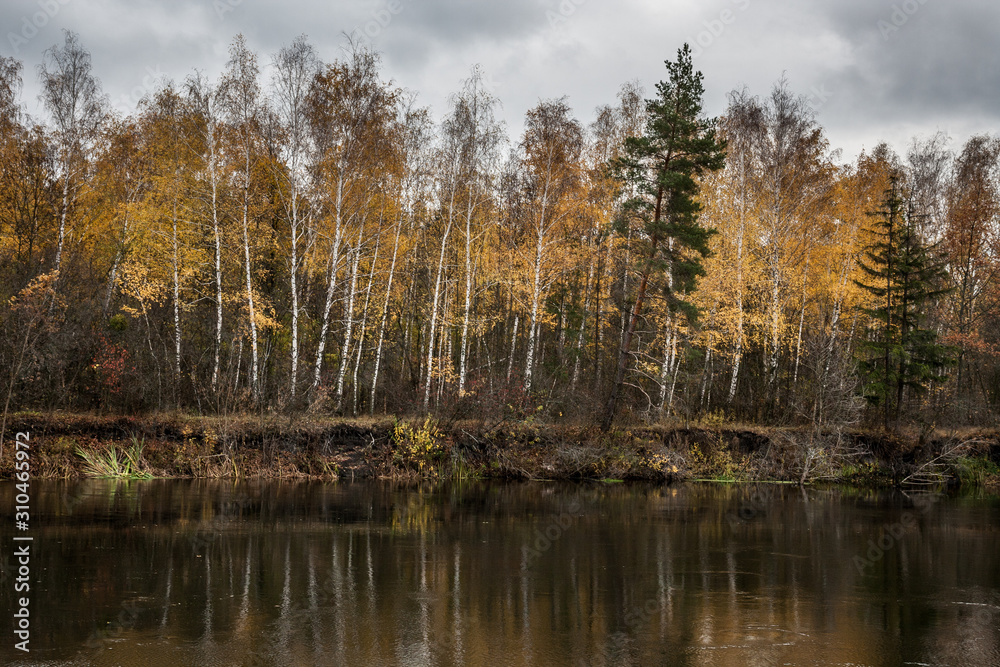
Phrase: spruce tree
(904, 277)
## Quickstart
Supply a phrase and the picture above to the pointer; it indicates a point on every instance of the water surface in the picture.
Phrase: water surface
(170, 572)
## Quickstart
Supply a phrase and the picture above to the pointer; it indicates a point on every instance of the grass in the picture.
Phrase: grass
(975, 471)
(115, 463)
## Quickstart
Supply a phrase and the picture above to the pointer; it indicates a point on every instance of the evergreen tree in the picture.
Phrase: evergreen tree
(904, 277)
(660, 168)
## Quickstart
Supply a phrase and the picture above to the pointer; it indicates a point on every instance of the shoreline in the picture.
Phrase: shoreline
(67, 446)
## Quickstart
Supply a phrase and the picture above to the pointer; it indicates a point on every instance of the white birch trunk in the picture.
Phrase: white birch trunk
(385, 315)
(62, 217)
(177, 299)
(513, 344)
(434, 308)
(738, 352)
(293, 380)
(349, 323)
(535, 295)
(468, 298)
(363, 325)
(665, 367)
(331, 282)
(802, 319)
(583, 327)
(254, 367)
(217, 241)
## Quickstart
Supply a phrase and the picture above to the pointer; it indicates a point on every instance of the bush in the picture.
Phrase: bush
(417, 448)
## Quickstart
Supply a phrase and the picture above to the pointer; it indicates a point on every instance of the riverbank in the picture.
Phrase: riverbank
(279, 446)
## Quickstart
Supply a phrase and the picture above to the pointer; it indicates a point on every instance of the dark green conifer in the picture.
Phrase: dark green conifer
(904, 276)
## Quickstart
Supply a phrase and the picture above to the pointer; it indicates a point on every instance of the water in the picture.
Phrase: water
(186, 572)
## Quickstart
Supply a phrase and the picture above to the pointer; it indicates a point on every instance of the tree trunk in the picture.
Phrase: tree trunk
(583, 327)
(217, 352)
(513, 345)
(293, 379)
(535, 296)
(364, 324)
(468, 298)
(254, 360)
(62, 216)
(434, 306)
(385, 314)
(331, 282)
(668, 336)
(625, 351)
(738, 351)
(802, 319)
(177, 301)
(349, 323)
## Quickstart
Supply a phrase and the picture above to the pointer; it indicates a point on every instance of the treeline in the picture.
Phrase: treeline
(313, 239)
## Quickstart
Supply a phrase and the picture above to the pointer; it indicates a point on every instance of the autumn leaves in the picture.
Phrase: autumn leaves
(301, 234)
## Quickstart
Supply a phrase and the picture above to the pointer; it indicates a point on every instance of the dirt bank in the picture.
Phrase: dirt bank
(64, 445)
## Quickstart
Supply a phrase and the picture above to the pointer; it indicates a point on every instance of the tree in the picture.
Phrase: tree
(471, 137)
(481, 158)
(10, 87)
(73, 97)
(792, 186)
(662, 165)
(971, 241)
(240, 92)
(351, 114)
(295, 67)
(903, 277)
(606, 141)
(416, 129)
(167, 127)
(204, 103)
(553, 145)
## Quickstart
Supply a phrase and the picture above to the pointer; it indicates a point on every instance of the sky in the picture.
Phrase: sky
(872, 70)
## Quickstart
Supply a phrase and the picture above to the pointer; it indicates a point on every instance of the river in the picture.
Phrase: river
(188, 572)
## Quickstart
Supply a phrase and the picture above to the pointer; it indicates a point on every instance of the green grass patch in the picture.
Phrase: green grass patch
(975, 471)
(116, 463)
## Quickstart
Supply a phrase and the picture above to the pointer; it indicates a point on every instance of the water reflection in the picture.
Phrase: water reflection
(197, 573)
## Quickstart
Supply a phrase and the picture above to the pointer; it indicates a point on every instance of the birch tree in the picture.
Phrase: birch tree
(204, 101)
(971, 239)
(295, 67)
(350, 113)
(486, 135)
(72, 96)
(240, 93)
(552, 146)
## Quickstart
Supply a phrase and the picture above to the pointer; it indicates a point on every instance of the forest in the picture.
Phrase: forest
(303, 236)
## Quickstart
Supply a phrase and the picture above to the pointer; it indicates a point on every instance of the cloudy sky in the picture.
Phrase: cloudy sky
(872, 69)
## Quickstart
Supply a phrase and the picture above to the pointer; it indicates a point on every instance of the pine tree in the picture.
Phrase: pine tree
(661, 167)
(903, 277)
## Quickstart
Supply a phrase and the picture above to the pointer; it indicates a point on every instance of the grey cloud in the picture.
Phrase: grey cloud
(939, 70)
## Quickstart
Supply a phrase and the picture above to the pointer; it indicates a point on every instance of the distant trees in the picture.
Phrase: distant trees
(319, 241)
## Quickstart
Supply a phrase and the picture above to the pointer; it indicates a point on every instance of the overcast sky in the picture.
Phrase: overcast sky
(873, 69)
